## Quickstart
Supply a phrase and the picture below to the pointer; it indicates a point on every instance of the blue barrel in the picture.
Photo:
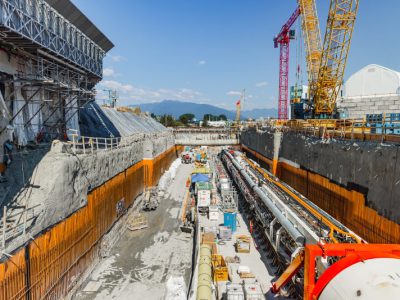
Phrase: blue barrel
(230, 220)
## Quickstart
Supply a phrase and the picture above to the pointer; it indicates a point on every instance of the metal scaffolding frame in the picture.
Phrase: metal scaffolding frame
(66, 90)
(36, 26)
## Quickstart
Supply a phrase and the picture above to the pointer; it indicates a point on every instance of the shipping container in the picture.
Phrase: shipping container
(230, 220)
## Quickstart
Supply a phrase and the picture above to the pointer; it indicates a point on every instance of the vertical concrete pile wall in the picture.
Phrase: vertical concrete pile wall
(355, 182)
(82, 196)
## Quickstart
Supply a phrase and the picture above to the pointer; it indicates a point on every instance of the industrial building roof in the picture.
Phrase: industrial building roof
(373, 80)
(69, 11)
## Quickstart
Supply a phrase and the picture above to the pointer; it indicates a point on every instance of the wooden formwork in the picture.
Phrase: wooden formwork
(51, 264)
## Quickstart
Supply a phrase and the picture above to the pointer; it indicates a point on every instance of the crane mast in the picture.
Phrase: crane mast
(326, 65)
(312, 40)
(239, 108)
(283, 40)
(339, 31)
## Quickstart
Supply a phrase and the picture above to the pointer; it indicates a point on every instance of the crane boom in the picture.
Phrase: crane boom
(312, 40)
(339, 31)
(326, 65)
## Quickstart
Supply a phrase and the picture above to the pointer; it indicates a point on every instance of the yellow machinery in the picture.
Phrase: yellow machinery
(326, 65)
(312, 39)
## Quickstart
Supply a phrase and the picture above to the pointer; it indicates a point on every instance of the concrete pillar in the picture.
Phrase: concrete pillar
(148, 148)
(277, 146)
(148, 161)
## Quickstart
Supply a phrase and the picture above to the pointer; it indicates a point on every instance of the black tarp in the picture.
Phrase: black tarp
(94, 123)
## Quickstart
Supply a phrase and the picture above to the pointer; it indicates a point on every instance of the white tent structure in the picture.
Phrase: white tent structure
(372, 90)
(373, 80)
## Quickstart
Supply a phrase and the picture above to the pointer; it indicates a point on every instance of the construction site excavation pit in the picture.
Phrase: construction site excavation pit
(153, 257)
(158, 252)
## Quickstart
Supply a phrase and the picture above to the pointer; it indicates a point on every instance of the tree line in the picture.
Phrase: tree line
(186, 119)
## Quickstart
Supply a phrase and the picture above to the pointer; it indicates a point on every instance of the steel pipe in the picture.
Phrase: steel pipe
(290, 228)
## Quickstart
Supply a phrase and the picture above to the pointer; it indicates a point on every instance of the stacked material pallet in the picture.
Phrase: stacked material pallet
(243, 244)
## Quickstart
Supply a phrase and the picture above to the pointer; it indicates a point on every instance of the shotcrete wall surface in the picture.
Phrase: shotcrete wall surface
(259, 141)
(370, 168)
(61, 180)
(80, 197)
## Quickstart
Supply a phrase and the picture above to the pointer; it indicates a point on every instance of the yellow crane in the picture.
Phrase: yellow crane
(326, 64)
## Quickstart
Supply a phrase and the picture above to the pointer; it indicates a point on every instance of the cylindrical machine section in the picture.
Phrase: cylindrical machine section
(377, 278)
(290, 228)
(204, 285)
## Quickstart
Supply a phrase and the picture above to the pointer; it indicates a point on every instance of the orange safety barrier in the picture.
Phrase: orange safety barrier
(50, 265)
(347, 206)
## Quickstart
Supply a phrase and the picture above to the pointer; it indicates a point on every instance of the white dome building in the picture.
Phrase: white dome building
(372, 90)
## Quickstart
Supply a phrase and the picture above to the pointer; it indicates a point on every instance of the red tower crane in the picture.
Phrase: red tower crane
(283, 40)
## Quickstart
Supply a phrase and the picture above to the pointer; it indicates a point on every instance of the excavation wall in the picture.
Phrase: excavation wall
(77, 197)
(50, 265)
(357, 183)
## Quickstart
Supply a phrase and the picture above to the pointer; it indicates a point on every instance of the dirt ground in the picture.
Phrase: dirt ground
(152, 263)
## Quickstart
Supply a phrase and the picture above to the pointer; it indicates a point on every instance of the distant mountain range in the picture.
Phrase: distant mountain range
(177, 108)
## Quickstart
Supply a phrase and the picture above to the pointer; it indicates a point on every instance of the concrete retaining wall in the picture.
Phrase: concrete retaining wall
(50, 264)
(369, 168)
(359, 107)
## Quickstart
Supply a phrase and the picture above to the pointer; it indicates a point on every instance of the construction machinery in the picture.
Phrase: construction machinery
(316, 256)
(325, 63)
(369, 271)
(312, 39)
(324, 87)
(186, 158)
(239, 108)
(283, 40)
(339, 30)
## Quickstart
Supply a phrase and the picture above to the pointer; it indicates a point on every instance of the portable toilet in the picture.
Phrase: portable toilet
(230, 220)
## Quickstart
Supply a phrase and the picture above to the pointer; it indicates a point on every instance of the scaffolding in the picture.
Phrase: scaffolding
(36, 26)
(45, 98)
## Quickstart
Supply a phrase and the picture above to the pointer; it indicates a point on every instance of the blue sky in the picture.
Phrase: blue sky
(206, 51)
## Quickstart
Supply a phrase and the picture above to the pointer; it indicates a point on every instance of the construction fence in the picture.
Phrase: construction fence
(50, 265)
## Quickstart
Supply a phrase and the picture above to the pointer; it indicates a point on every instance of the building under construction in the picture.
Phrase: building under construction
(103, 202)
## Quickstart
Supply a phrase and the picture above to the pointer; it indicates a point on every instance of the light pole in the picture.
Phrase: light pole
(113, 97)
